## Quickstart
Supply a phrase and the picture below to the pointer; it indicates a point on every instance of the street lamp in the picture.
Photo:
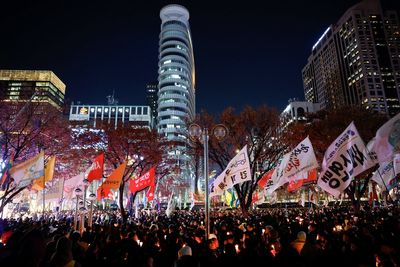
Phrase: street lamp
(78, 193)
(91, 198)
(219, 131)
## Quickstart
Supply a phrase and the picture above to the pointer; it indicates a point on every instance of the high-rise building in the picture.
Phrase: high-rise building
(152, 99)
(176, 76)
(357, 61)
(21, 86)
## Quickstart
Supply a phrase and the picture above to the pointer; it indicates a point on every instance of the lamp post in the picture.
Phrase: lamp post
(78, 193)
(219, 131)
(82, 211)
(91, 198)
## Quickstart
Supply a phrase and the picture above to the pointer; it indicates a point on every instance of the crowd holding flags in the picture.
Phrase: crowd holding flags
(344, 159)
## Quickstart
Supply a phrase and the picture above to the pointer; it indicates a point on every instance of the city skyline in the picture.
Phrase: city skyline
(244, 54)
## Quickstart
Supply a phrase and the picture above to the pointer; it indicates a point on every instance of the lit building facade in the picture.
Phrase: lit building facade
(357, 61)
(94, 116)
(21, 86)
(152, 99)
(176, 76)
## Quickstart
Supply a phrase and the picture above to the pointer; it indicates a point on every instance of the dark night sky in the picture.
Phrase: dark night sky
(246, 52)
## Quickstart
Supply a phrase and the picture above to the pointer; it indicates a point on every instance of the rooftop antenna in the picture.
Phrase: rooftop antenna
(111, 100)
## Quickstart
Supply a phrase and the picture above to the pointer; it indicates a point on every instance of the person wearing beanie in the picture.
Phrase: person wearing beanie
(298, 244)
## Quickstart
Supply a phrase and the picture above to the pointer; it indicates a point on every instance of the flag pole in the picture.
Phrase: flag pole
(44, 174)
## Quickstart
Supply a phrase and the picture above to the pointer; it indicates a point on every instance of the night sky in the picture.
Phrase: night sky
(246, 52)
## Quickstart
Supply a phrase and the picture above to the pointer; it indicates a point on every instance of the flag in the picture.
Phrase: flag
(312, 176)
(5, 178)
(301, 159)
(95, 171)
(292, 166)
(114, 180)
(387, 139)
(384, 175)
(302, 201)
(312, 197)
(278, 178)
(143, 181)
(345, 158)
(150, 193)
(396, 164)
(263, 181)
(55, 192)
(39, 183)
(103, 192)
(170, 206)
(228, 198)
(293, 185)
(237, 171)
(29, 170)
(72, 183)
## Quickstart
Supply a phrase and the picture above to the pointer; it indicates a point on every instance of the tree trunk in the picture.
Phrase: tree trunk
(121, 202)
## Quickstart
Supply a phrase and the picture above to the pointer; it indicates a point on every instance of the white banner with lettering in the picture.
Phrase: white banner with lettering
(301, 159)
(345, 158)
(237, 171)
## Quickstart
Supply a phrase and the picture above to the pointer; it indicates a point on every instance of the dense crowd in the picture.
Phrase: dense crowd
(266, 237)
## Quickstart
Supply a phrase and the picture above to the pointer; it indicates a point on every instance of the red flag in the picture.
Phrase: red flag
(96, 169)
(143, 181)
(150, 193)
(254, 198)
(293, 185)
(312, 176)
(102, 192)
(263, 181)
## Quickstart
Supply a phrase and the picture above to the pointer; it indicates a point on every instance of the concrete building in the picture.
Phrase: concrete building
(356, 61)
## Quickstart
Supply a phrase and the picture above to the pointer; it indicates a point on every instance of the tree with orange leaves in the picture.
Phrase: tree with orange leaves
(258, 128)
(325, 126)
(141, 147)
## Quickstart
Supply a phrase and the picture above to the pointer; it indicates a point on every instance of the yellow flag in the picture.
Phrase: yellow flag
(114, 180)
(39, 183)
(228, 198)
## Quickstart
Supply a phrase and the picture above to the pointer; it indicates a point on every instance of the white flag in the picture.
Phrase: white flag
(301, 159)
(71, 184)
(396, 164)
(29, 170)
(237, 171)
(278, 178)
(384, 174)
(345, 158)
(387, 139)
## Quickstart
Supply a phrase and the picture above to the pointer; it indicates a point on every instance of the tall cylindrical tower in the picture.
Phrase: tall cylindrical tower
(176, 76)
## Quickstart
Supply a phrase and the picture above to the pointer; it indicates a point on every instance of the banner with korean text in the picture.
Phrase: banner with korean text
(237, 171)
(345, 158)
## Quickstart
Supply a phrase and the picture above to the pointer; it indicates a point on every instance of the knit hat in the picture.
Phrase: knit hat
(301, 236)
(185, 251)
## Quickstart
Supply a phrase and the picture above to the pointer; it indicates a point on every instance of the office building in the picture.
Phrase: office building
(94, 116)
(21, 86)
(152, 99)
(356, 61)
(176, 76)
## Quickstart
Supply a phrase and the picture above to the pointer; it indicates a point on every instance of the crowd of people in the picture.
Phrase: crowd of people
(329, 236)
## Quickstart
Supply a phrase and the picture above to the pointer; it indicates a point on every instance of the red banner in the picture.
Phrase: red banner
(96, 169)
(150, 193)
(143, 181)
(263, 181)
